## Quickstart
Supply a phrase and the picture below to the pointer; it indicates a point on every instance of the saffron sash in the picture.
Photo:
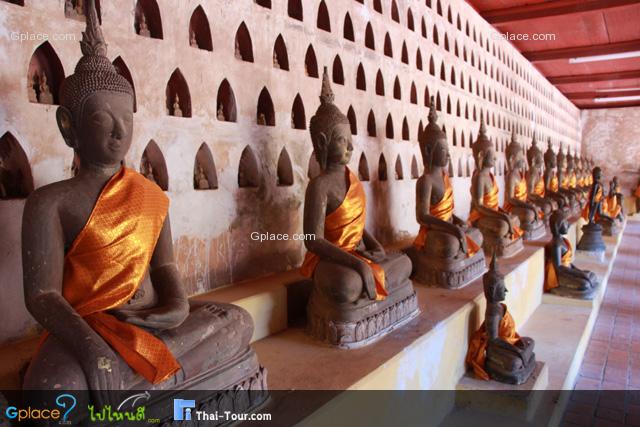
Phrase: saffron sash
(490, 200)
(550, 277)
(597, 198)
(553, 184)
(519, 193)
(539, 189)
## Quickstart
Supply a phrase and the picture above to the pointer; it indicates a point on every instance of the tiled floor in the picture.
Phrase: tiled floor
(612, 360)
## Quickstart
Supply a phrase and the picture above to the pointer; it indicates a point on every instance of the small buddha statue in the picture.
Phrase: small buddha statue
(193, 42)
(516, 196)
(615, 200)
(596, 210)
(552, 185)
(276, 64)
(80, 7)
(45, 96)
(200, 181)
(31, 91)
(109, 227)
(177, 112)
(360, 292)
(143, 29)
(146, 168)
(262, 119)
(500, 230)
(496, 351)
(564, 180)
(446, 252)
(238, 53)
(536, 191)
(69, 9)
(561, 276)
(220, 113)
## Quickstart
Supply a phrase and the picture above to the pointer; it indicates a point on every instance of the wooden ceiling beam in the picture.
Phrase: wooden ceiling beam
(593, 94)
(588, 78)
(582, 51)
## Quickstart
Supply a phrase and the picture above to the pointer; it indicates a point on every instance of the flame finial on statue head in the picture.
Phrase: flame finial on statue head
(326, 93)
(92, 42)
(433, 115)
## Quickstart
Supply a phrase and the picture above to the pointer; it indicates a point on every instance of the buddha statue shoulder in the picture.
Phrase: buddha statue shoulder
(536, 189)
(126, 330)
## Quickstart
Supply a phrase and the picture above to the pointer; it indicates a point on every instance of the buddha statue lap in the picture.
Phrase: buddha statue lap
(500, 230)
(134, 327)
(446, 252)
(516, 196)
(552, 186)
(536, 191)
(496, 351)
(564, 180)
(360, 292)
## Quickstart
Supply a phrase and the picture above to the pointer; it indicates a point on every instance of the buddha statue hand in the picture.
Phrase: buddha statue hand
(100, 366)
(368, 281)
(376, 255)
(167, 315)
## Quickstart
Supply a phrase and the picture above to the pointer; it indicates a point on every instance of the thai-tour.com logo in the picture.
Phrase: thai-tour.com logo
(182, 409)
(66, 403)
(185, 410)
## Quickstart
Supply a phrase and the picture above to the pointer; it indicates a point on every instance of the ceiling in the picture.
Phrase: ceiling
(580, 28)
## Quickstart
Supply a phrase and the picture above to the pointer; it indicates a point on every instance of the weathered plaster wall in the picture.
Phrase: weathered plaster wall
(211, 228)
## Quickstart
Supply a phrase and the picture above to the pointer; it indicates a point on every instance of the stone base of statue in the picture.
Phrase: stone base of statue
(449, 273)
(502, 247)
(533, 231)
(591, 240)
(359, 324)
(511, 370)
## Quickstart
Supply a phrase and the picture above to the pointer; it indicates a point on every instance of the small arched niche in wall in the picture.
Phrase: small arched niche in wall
(371, 124)
(248, 171)
(74, 9)
(298, 117)
(280, 56)
(285, 169)
(265, 114)
(310, 63)
(199, 30)
(226, 110)
(264, 3)
(382, 168)
(405, 130)
(323, 22)
(178, 97)
(294, 9)
(148, 22)
(153, 166)
(347, 30)
(338, 73)
(363, 168)
(415, 174)
(399, 171)
(44, 75)
(205, 176)
(353, 124)
(389, 128)
(123, 70)
(16, 2)
(243, 45)
(16, 181)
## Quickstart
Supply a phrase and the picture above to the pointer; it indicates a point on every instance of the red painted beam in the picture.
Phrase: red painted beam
(587, 78)
(593, 94)
(550, 8)
(582, 51)
(602, 105)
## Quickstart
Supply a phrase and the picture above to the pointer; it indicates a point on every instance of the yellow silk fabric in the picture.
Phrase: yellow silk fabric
(490, 200)
(539, 189)
(477, 353)
(573, 181)
(553, 185)
(443, 210)
(551, 278)
(519, 193)
(582, 181)
(565, 182)
(107, 262)
(344, 227)
(613, 208)
(597, 198)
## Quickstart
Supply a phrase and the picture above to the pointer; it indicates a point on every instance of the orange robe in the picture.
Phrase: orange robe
(613, 208)
(107, 262)
(598, 197)
(539, 189)
(443, 210)
(553, 184)
(565, 182)
(550, 277)
(637, 193)
(519, 193)
(490, 200)
(477, 353)
(344, 228)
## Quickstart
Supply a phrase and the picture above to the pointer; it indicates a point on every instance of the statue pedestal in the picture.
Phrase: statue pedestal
(591, 243)
(446, 273)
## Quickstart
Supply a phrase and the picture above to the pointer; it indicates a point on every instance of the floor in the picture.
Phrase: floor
(608, 386)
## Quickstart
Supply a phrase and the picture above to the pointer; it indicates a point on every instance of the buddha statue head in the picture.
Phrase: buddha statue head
(515, 154)
(597, 174)
(330, 130)
(550, 156)
(483, 151)
(433, 142)
(558, 223)
(561, 160)
(534, 155)
(95, 116)
(493, 285)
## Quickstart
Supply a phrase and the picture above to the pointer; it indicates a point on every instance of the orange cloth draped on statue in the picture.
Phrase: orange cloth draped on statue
(565, 182)
(553, 184)
(107, 262)
(443, 210)
(344, 228)
(519, 193)
(582, 182)
(550, 277)
(490, 200)
(613, 208)
(573, 181)
(590, 180)
(477, 353)
(598, 197)
(539, 189)
(637, 193)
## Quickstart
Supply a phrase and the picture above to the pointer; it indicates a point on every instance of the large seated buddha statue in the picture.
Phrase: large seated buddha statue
(500, 230)
(360, 292)
(596, 211)
(552, 185)
(536, 191)
(564, 179)
(446, 252)
(516, 195)
(496, 351)
(561, 276)
(99, 269)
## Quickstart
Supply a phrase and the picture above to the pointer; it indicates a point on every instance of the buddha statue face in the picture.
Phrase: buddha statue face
(340, 147)
(537, 162)
(440, 155)
(488, 158)
(495, 290)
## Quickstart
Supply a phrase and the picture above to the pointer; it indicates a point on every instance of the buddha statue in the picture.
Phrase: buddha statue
(500, 230)
(360, 292)
(496, 351)
(564, 180)
(573, 179)
(220, 113)
(552, 186)
(615, 200)
(143, 29)
(598, 221)
(536, 191)
(516, 195)
(146, 168)
(237, 52)
(262, 119)
(99, 270)
(446, 252)
(80, 7)
(561, 276)
(31, 91)
(200, 181)
(276, 64)
(45, 96)
(177, 112)
(193, 42)
(69, 9)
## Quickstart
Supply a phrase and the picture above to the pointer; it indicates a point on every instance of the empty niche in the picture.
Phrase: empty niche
(16, 181)
(448, 105)
(389, 127)
(313, 169)
(353, 124)
(280, 57)
(423, 28)
(450, 170)
(455, 138)
(460, 167)
(394, 11)
(405, 129)
(347, 30)
(382, 168)
(248, 172)
(443, 75)
(420, 131)
(199, 30)
(226, 103)
(371, 124)
(361, 80)
(74, 9)
(469, 168)
(369, 39)
(153, 166)
(243, 46)
(446, 42)
(404, 57)
(388, 48)
(432, 66)
(338, 73)
(285, 169)
(265, 114)
(16, 2)
(427, 102)
(414, 168)
(178, 98)
(298, 118)
(410, 24)
(453, 76)
(413, 96)
(205, 176)
(449, 16)
(438, 102)
(310, 63)
(264, 3)
(436, 37)
(123, 70)
(44, 75)
(439, 8)
(363, 168)
(324, 22)
(377, 6)
(399, 171)
(379, 84)
(294, 9)
(397, 92)
(458, 108)
(147, 21)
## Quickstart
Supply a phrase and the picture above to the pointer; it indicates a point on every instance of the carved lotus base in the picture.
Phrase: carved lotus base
(534, 231)
(503, 248)
(356, 325)
(446, 272)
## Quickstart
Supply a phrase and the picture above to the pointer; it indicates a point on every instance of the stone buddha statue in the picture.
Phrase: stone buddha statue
(536, 190)
(561, 276)
(496, 351)
(552, 185)
(176, 107)
(99, 270)
(237, 53)
(516, 195)
(615, 201)
(446, 252)
(143, 27)
(200, 181)
(146, 168)
(220, 114)
(360, 292)
(500, 230)
(564, 180)
(595, 211)
(276, 63)
(193, 41)
(44, 94)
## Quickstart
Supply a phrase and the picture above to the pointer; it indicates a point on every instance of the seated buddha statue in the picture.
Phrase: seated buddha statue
(581, 170)
(615, 201)
(500, 230)
(496, 351)
(360, 292)
(596, 210)
(516, 196)
(552, 185)
(446, 252)
(573, 179)
(561, 276)
(564, 179)
(99, 271)
(536, 191)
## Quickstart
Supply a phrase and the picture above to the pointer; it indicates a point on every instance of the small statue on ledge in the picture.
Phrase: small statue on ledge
(615, 200)
(220, 114)
(177, 112)
(262, 119)
(535, 181)
(45, 96)
(573, 180)
(276, 63)
(496, 351)
(237, 52)
(193, 41)
(146, 168)
(31, 91)
(143, 28)
(200, 181)
(564, 180)
(597, 209)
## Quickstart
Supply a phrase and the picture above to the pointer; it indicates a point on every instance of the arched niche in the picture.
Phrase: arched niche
(371, 124)
(178, 97)
(397, 91)
(379, 84)
(438, 102)
(16, 181)
(199, 30)
(410, 24)
(16, 2)
(310, 63)
(44, 75)
(280, 56)
(395, 15)
(420, 131)
(298, 118)
(148, 22)
(399, 171)
(389, 127)
(427, 97)
(388, 47)
(413, 96)
(469, 167)
(369, 38)
(450, 169)
(405, 130)
(432, 66)
(323, 22)
(338, 72)
(363, 168)
(415, 174)
(285, 169)
(423, 28)
(418, 60)
(243, 45)
(443, 75)
(353, 124)
(248, 171)
(361, 80)
(74, 9)
(313, 168)
(377, 6)
(294, 9)
(205, 176)
(382, 168)
(226, 109)
(404, 57)
(123, 70)
(460, 170)
(265, 113)
(153, 166)
(347, 28)
(264, 3)
(436, 36)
